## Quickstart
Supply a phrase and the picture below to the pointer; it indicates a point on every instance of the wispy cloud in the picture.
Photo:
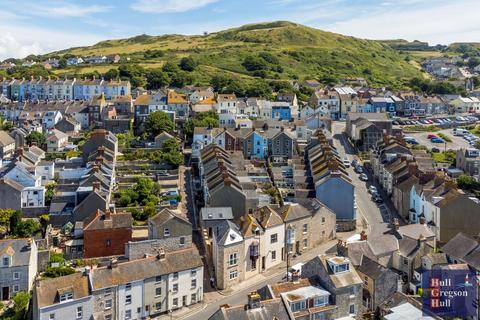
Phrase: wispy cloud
(166, 6)
(69, 10)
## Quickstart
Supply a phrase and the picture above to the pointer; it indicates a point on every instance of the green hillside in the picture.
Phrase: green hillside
(276, 50)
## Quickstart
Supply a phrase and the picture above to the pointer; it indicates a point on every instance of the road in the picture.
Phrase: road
(457, 141)
(378, 217)
(373, 214)
(239, 297)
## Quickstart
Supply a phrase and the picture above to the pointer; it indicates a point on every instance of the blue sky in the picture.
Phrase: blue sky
(39, 26)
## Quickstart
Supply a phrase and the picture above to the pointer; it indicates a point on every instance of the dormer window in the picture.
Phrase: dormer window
(66, 297)
(338, 265)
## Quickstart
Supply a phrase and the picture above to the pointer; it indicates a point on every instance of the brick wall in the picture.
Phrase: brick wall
(109, 242)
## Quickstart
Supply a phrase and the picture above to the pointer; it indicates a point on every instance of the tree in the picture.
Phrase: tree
(187, 64)
(6, 217)
(21, 301)
(467, 182)
(62, 63)
(26, 228)
(252, 63)
(158, 122)
(15, 219)
(157, 79)
(36, 138)
(259, 89)
(170, 67)
(111, 74)
(50, 192)
(44, 220)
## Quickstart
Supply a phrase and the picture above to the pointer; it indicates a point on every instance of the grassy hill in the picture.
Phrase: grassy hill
(290, 51)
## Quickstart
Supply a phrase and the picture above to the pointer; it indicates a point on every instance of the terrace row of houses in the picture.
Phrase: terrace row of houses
(72, 61)
(337, 102)
(421, 194)
(70, 117)
(62, 89)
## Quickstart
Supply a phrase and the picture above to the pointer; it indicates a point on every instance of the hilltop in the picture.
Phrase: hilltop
(289, 51)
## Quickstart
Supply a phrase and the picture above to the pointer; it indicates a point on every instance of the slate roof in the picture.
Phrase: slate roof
(270, 309)
(342, 279)
(216, 213)
(293, 211)
(145, 268)
(371, 268)
(166, 215)
(48, 290)
(460, 246)
(267, 217)
(101, 221)
(5, 139)
(18, 248)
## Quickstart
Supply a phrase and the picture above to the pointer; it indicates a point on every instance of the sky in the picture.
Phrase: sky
(41, 26)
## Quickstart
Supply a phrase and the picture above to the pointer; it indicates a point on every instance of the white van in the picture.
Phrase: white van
(460, 131)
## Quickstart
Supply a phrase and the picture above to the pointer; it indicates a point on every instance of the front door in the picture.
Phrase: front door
(263, 263)
(5, 293)
(297, 247)
(184, 300)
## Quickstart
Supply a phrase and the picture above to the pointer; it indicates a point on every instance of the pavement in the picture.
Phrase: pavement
(375, 219)
(237, 295)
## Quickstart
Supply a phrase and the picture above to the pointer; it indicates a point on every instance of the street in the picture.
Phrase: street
(376, 217)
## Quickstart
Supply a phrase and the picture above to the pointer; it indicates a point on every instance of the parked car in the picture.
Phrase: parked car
(460, 131)
(346, 162)
(354, 162)
(435, 150)
(377, 198)
(430, 136)
(359, 169)
(363, 177)
(296, 269)
(437, 140)
(372, 189)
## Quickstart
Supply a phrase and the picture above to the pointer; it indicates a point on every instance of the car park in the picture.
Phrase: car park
(363, 177)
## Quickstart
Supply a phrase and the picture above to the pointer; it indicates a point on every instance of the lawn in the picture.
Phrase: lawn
(476, 130)
(445, 137)
(444, 157)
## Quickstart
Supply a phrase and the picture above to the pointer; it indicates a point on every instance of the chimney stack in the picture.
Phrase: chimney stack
(396, 224)
(363, 236)
(254, 300)
(161, 254)
(96, 186)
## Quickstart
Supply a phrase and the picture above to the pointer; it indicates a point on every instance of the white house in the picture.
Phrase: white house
(51, 118)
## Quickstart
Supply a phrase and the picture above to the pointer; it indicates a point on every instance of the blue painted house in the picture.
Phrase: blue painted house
(281, 112)
(383, 104)
(255, 145)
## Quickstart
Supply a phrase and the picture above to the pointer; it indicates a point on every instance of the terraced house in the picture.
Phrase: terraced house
(331, 179)
(136, 289)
